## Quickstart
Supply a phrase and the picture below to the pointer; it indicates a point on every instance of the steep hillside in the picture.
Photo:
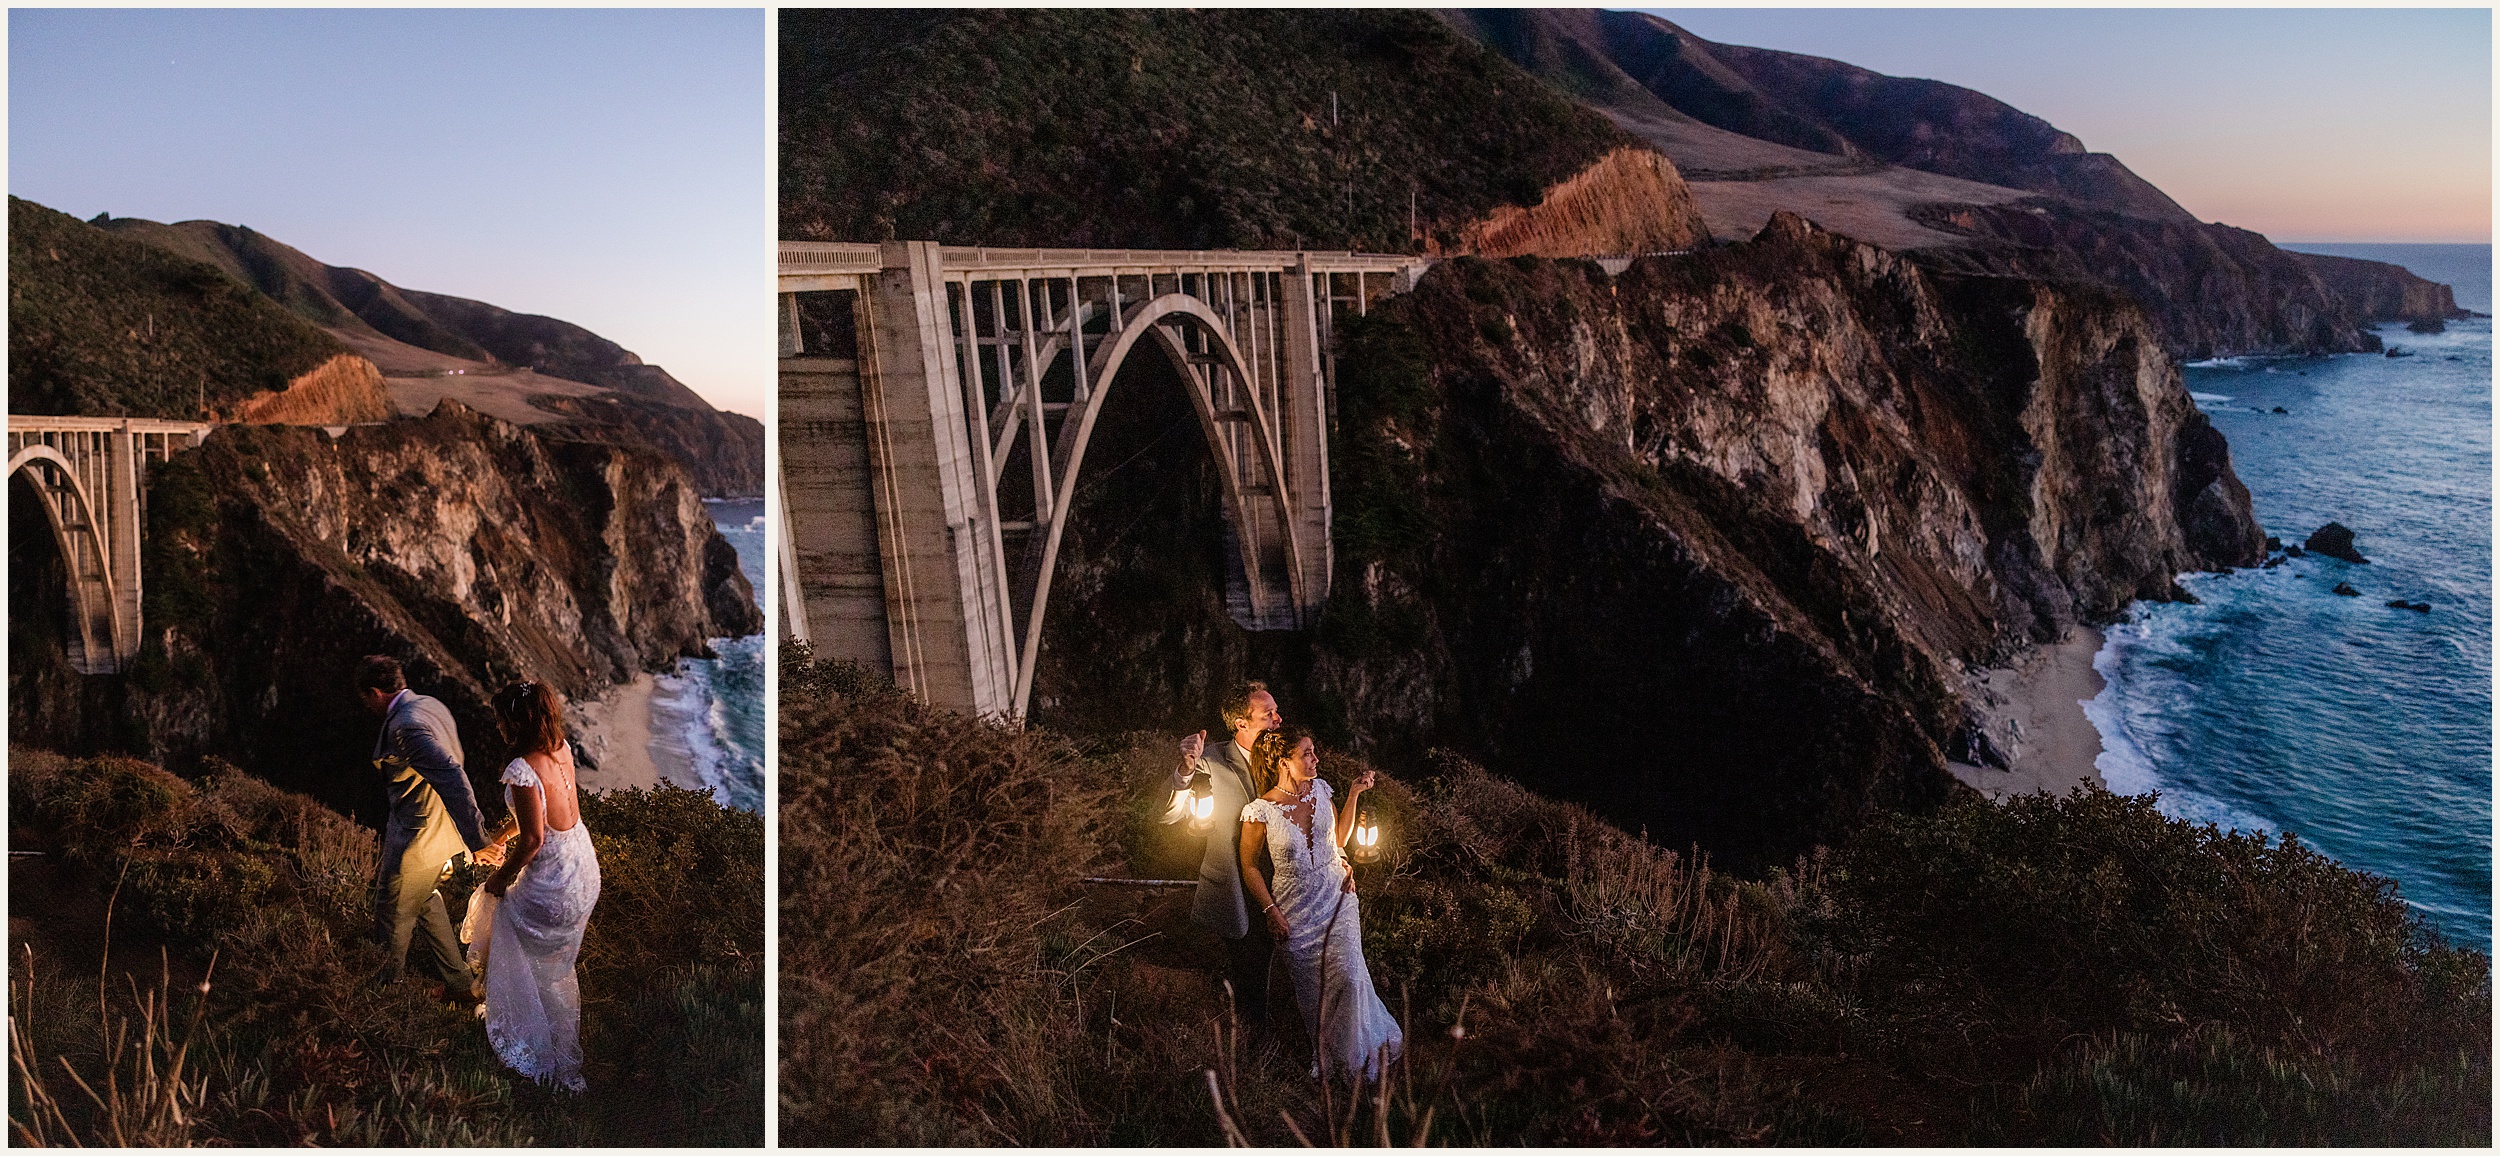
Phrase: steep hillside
(2053, 971)
(1705, 546)
(1243, 128)
(523, 367)
(474, 550)
(103, 325)
(245, 913)
(1919, 165)
(1637, 61)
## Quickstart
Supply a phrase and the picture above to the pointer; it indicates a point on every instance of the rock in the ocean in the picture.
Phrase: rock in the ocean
(2398, 351)
(2274, 545)
(2334, 541)
(2294, 552)
(2345, 589)
(2271, 563)
(2280, 409)
(2429, 325)
(2416, 607)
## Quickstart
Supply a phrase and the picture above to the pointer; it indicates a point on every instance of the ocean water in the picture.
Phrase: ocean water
(709, 712)
(2277, 705)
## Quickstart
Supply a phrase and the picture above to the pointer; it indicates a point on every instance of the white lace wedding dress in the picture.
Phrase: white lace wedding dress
(533, 1002)
(1324, 936)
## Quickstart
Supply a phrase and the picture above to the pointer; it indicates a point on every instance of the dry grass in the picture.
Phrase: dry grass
(947, 980)
(341, 391)
(296, 1044)
(1630, 201)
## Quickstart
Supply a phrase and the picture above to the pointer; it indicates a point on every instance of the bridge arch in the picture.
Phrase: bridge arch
(70, 511)
(1198, 341)
(912, 373)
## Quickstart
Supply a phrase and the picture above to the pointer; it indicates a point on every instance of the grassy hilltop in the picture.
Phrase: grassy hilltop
(1160, 128)
(107, 326)
(2076, 971)
(199, 953)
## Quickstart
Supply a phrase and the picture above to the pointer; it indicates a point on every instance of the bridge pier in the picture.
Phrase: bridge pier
(908, 392)
(91, 476)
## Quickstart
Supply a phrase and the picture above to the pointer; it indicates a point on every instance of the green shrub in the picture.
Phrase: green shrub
(2096, 913)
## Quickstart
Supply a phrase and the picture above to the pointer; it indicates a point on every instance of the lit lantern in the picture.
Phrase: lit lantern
(1201, 804)
(1366, 837)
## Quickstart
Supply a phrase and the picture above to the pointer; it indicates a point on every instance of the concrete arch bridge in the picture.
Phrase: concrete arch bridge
(90, 476)
(915, 376)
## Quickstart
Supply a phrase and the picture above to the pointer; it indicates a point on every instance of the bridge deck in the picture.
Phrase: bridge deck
(816, 265)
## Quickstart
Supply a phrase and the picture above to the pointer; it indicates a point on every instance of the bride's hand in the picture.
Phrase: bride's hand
(1276, 923)
(496, 885)
(1368, 780)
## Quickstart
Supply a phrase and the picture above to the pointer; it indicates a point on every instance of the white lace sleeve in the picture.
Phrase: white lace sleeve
(1255, 812)
(518, 773)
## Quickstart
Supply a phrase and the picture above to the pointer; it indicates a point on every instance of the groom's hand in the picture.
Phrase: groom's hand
(1192, 747)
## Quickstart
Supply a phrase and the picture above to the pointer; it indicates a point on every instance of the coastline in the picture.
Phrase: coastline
(2033, 713)
(615, 730)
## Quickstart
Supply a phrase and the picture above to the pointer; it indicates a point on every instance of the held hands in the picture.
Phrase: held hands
(495, 886)
(1276, 922)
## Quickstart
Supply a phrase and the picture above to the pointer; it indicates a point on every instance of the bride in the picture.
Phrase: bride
(546, 887)
(1313, 911)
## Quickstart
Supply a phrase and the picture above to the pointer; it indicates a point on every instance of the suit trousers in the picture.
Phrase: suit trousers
(1247, 960)
(412, 910)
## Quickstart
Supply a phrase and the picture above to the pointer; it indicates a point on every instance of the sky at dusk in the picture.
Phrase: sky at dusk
(608, 168)
(2302, 124)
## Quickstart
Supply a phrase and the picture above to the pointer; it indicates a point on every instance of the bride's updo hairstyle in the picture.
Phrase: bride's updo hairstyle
(1271, 749)
(531, 718)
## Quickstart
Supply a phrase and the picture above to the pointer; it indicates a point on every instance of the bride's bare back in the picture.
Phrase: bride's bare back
(558, 801)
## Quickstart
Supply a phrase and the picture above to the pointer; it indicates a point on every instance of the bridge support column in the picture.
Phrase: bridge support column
(1304, 421)
(121, 519)
(945, 592)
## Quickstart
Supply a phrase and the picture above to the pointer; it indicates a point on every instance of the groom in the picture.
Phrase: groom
(1222, 906)
(433, 818)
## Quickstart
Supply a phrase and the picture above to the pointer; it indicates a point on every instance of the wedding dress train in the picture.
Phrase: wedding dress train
(1324, 938)
(533, 1001)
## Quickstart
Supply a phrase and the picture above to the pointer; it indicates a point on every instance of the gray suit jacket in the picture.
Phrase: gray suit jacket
(433, 812)
(1220, 906)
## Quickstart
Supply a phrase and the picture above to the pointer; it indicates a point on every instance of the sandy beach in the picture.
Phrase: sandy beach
(2034, 715)
(616, 730)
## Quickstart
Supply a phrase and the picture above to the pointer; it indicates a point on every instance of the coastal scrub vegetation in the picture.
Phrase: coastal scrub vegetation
(199, 954)
(2075, 970)
(107, 326)
(1249, 129)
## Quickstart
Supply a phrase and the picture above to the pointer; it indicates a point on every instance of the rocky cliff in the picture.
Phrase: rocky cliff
(1702, 545)
(474, 550)
(2211, 289)
(2383, 292)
